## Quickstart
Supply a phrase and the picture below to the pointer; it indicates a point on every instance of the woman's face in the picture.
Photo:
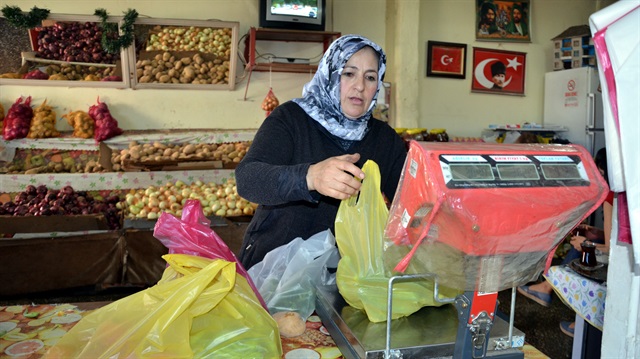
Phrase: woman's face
(359, 83)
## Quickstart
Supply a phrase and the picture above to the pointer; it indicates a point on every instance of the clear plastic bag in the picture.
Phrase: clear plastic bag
(288, 276)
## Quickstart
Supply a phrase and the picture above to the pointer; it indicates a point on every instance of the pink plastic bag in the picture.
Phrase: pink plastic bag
(193, 235)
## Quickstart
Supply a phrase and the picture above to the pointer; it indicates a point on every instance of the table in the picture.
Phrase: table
(54, 320)
(33, 336)
(587, 298)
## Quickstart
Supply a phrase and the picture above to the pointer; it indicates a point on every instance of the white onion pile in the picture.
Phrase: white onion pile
(210, 40)
(216, 199)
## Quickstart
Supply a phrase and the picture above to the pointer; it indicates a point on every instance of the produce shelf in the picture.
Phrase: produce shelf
(138, 53)
(65, 141)
(31, 56)
(110, 180)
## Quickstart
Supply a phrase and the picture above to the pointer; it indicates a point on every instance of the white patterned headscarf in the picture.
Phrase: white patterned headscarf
(321, 96)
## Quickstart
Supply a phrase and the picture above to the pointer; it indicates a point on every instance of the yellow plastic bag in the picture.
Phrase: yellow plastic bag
(361, 277)
(200, 308)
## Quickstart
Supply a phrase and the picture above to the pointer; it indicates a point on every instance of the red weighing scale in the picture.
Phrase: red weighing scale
(488, 217)
(479, 218)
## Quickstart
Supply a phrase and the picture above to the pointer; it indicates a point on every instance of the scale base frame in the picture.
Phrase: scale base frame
(357, 338)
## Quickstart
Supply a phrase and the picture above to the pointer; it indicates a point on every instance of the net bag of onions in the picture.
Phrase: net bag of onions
(83, 125)
(270, 102)
(43, 123)
(105, 125)
(16, 124)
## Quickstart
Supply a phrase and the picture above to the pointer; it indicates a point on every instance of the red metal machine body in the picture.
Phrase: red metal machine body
(485, 217)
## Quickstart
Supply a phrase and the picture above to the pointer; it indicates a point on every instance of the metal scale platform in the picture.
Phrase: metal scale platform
(440, 216)
(428, 333)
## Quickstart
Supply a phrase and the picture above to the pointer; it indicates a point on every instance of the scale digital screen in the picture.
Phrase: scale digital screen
(518, 172)
(466, 171)
(560, 171)
(471, 172)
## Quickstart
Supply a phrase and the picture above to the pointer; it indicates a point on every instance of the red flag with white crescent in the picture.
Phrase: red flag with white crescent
(484, 60)
(447, 60)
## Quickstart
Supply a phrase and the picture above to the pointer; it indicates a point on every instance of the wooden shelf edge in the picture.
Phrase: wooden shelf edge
(300, 68)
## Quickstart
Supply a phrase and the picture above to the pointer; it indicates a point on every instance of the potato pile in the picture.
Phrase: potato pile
(160, 152)
(168, 68)
(43, 123)
(11, 75)
(69, 72)
(68, 165)
(83, 125)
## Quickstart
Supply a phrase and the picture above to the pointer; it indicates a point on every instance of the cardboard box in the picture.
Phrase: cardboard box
(43, 264)
(191, 164)
(216, 221)
(144, 263)
(50, 224)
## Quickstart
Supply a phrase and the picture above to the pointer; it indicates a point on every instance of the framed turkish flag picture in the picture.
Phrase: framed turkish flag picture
(446, 59)
(498, 71)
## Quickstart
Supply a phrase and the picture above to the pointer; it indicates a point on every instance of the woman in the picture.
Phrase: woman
(307, 154)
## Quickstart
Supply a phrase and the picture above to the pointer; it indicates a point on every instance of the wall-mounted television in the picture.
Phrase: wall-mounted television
(293, 14)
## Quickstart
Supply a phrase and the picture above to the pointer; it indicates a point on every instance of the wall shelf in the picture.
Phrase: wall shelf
(529, 129)
(264, 34)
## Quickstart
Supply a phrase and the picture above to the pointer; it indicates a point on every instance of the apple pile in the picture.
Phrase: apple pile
(42, 201)
(216, 199)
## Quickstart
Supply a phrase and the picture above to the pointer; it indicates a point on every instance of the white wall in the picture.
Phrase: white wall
(449, 103)
(445, 103)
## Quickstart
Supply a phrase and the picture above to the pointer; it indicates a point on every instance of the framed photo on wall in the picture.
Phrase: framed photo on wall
(503, 20)
(498, 71)
(446, 59)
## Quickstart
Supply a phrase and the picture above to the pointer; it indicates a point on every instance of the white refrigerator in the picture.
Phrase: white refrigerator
(573, 99)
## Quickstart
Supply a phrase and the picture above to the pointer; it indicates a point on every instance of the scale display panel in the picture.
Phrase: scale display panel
(512, 171)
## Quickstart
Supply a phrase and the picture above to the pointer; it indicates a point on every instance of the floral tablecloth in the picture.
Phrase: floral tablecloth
(28, 331)
(585, 296)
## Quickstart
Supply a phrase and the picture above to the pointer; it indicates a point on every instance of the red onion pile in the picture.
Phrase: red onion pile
(73, 42)
(36, 75)
(41, 201)
(18, 121)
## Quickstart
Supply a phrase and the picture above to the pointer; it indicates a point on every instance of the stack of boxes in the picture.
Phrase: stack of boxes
(574, 48)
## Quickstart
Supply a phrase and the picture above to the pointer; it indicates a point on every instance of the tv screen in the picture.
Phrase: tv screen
(293, 14)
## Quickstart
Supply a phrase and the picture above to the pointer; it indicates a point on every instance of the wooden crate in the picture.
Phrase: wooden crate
(180, 23)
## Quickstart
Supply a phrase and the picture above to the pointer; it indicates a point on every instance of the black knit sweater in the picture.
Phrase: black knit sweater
(273, 174)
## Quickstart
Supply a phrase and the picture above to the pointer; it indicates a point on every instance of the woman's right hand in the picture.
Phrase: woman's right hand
(334, 177)
(576, 241)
